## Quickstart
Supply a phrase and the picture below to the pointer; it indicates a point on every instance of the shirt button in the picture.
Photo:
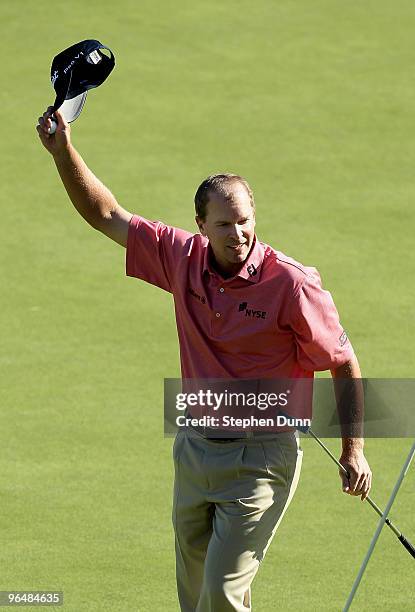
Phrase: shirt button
(218, 314)
(221, 289)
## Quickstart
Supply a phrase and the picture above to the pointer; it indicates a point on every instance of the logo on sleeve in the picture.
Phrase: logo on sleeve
(343, 339)
(250, 312)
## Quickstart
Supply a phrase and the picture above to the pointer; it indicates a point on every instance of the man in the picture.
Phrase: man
(230, 494)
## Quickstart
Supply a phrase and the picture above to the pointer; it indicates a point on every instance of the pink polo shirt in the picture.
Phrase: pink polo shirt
(272, 320)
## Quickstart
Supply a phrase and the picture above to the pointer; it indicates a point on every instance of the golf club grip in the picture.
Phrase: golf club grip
(407, 545)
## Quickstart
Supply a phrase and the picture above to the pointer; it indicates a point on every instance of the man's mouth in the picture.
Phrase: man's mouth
(237, 247)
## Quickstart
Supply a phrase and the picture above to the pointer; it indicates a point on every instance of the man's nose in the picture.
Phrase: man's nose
(236, 232)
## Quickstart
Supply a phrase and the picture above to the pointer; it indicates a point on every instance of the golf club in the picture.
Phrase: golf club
(379, 528)
(404, 541)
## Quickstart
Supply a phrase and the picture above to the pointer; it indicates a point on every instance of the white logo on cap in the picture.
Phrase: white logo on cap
(54, 77)
(65, 70)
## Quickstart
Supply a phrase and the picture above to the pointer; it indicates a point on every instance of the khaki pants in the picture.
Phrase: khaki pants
(229, 498)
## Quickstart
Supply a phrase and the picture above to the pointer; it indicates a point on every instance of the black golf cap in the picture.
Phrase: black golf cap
(76, 70)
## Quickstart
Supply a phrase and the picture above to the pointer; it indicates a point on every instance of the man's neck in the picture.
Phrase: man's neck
(226, 272)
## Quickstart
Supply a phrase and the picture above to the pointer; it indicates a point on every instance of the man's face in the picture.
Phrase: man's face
(230, 228)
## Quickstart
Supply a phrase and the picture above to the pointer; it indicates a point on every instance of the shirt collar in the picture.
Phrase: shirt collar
(251, 268)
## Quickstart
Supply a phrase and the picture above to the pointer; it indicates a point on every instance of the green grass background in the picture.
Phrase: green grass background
(313, 101)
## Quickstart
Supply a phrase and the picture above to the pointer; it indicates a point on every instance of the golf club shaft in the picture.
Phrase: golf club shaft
(379, 528)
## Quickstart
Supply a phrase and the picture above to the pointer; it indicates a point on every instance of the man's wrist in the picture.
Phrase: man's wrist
(352, 445)
(63, 154)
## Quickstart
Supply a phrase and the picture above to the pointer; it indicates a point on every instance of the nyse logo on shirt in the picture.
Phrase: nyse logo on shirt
(250, 312)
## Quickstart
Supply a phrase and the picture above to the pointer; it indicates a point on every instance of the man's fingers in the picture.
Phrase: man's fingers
(365, 491)
(345, 482)
(61, 121)
(41, 133)
(44, 123)
(362, 487)
(356, 482)
(53, 115)
(352, 482)
(357, 485)
(367, 486)
(362, 482)
(41, 126)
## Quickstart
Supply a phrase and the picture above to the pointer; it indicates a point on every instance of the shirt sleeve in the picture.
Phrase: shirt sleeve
(322, 343)
(154, 250)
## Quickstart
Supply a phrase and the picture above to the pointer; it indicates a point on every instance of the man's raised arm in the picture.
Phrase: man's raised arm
(94, 202)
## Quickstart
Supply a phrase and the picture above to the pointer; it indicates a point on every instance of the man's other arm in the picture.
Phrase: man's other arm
(94, 202)
(350, 405)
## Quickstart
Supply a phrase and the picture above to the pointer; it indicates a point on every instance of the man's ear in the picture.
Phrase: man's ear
(200, 225)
